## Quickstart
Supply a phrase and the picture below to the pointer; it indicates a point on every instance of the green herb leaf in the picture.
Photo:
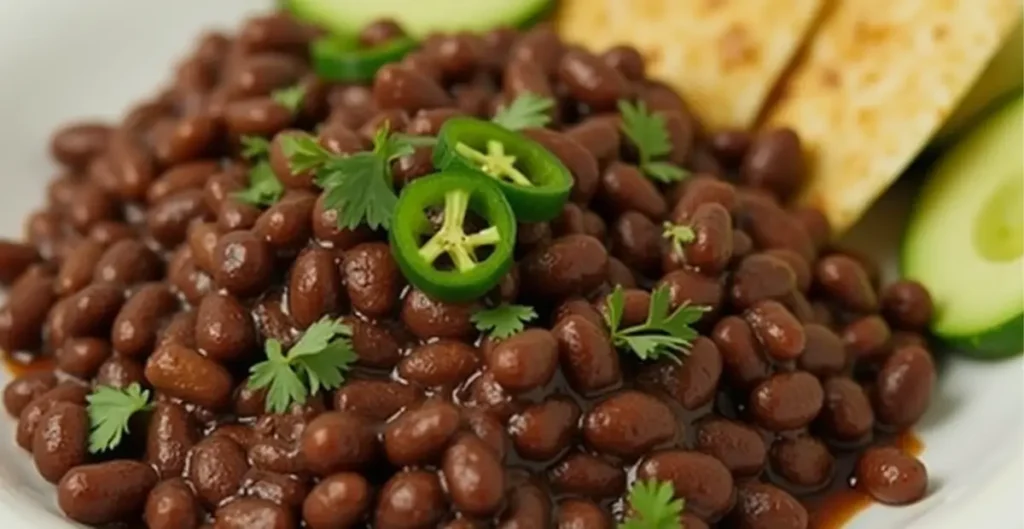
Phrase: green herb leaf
(648, 133)
(646, 130)
(264, 187)
(304, 152)
(255, 147)
(526, 111)
(290, 97)
(110, 409)
(678, 236)
(319, 360)
(653, 506)
(359, 192)
(504, 320)
(359, 186)
(664, 334)
(415, 140)
(664, 172)
(389, 146)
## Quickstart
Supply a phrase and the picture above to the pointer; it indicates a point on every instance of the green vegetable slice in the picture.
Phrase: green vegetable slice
(418, 248)
(339, 59)
(965, 240)
(535, 181)
(421, 18)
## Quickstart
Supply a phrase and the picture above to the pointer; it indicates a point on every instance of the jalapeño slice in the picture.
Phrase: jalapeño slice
(476, 261)
(340, 59)
(533, 179)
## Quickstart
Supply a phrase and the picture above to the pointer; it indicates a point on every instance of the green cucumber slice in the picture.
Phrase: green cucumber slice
(965, 241)
(419, 17)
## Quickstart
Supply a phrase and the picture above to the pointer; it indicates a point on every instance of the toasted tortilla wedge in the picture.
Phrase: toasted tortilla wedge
(878, 80)
(724, 56)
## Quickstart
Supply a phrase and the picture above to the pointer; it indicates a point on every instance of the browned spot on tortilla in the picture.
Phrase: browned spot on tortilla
(867, 33)
(714, 5)
(735, 47)
(939, 32)
(830, 77)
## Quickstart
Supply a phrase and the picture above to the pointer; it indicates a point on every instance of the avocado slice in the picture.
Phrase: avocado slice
(965, 240)
(420, 17)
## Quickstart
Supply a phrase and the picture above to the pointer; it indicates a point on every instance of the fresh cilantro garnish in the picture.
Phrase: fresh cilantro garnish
(255, 147)
(290, 97)
(504, 320)
(264, 187)
(677, 235)
(663, 334)
(110, 409)
(647, 131)
(414, 140)
(653, 506)
(526, 111)
(317, 361)
(359, 186)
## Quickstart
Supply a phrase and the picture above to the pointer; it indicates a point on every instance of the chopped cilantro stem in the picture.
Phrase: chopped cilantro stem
(678, 235)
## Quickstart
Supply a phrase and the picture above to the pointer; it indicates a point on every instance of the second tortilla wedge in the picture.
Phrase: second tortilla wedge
(724, 56)
(879, 79)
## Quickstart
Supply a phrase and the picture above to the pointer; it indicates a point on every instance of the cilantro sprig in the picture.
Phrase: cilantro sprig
(653, 506)
(317, 361)
(529, 110)
(648, 133)
(255, 147)
(290, 97)
(264, 187)
(678, 235)
(663, 335)
(109, 410)
(359, 186)
(504, 320)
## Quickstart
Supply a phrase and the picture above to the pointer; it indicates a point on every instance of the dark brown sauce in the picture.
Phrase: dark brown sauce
(836, 507)
(19, 364)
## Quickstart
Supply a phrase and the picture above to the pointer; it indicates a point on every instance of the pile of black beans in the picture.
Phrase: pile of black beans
(142, 267)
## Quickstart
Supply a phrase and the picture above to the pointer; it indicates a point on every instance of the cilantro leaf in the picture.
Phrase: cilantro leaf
(304, 152)
(290, 97)
(664, 334)
(649, 134)
(415, 140)
(664, 172)
(255, 147)
(526, 111)
(653, 506)
(317, 361)
(646, 130)
(678, 235)
(110, 409)
(359, 185)
(359, 193)
(389, 146)
(264, 187)
(504, 320)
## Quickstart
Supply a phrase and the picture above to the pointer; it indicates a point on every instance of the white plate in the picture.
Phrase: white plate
(69, 59)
